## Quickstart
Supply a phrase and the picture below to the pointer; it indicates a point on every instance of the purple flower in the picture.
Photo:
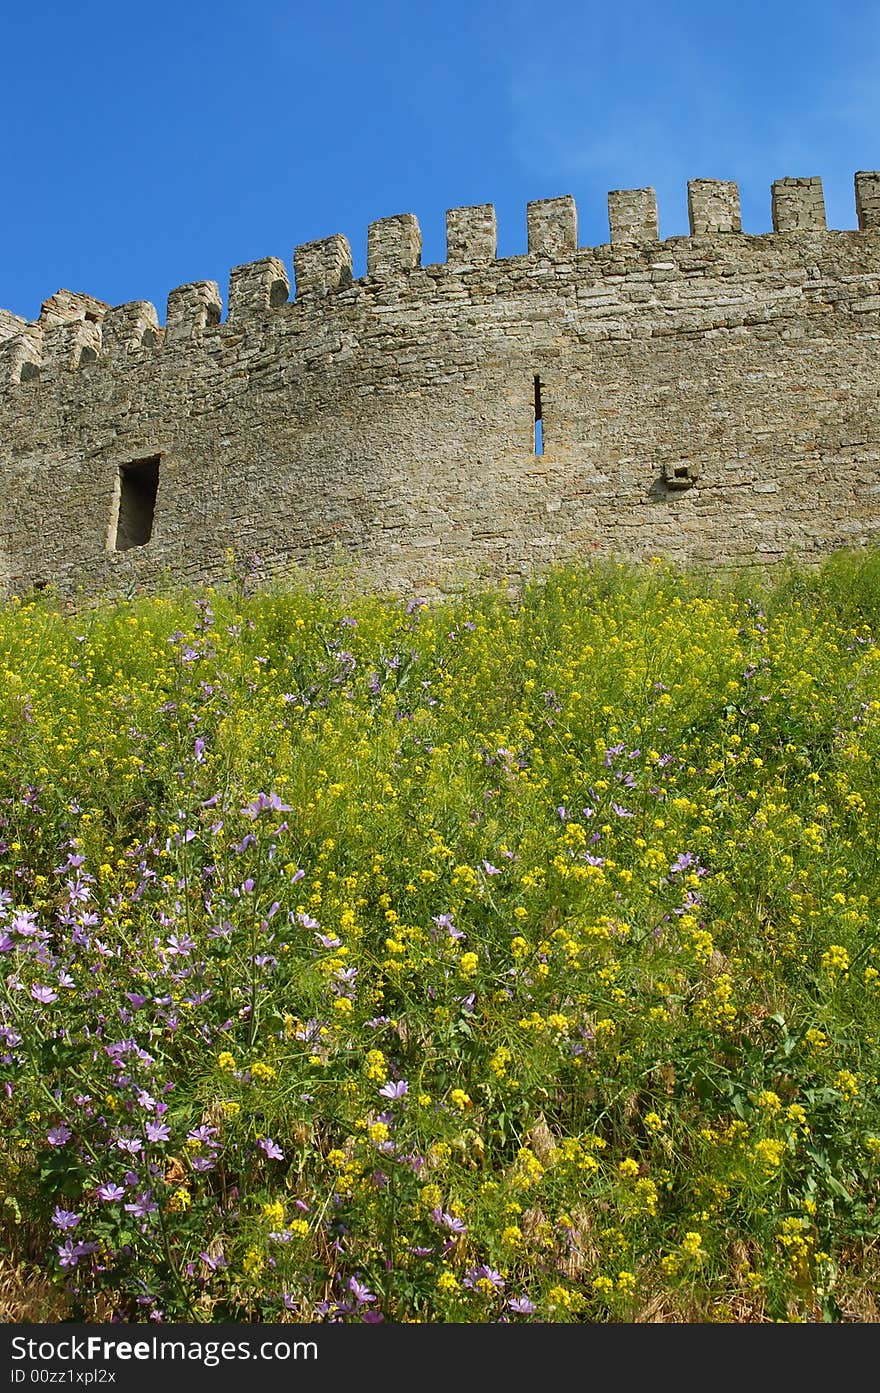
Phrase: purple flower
(360, 1292)
(522, 1305)
(444, 921)
(394, 1091)
(108, 1192)
(142, 1205)
(271, 1148)
(130, 1144)
(621, 812)
(490, 869)
(484, 1273)
(265, 802)
(216, 1261)
(682, 862)
(44, 995)
(57, 1136)
(328, 941)
(157, 1131)
(203, 1133)
(70, 1253)
(448, 1221)
(183, 945)
(65, 1218)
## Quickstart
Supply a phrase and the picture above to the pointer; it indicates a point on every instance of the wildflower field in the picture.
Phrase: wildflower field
(493, 959)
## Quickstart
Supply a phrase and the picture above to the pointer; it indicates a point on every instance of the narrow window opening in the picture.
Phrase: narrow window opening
(539, 419)
(137, 486)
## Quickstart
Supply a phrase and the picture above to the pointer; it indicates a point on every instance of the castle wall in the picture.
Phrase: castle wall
(714, 397)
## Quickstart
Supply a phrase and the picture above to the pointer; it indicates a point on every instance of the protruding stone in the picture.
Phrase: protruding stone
(868, 199)
(191, 309)
(257, 287)
(131, 326)
(322, 266)
(632, 216)
(20, 358)
(798, 205)
(66, 306)
(70, 344)
(713, 207)
(552, 226)
(393, 245)
(471, 234)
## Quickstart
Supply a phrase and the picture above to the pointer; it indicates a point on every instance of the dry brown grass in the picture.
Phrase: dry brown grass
(28, 1297)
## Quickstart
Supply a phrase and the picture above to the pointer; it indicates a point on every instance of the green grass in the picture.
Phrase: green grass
(363, 957)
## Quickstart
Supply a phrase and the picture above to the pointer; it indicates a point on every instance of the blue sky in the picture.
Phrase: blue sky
(149, 145)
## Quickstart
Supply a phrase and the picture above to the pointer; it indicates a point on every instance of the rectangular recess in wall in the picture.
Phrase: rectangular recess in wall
(134, 504)
(539, 419)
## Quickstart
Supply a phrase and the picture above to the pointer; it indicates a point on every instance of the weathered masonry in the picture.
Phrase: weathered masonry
(714, 397)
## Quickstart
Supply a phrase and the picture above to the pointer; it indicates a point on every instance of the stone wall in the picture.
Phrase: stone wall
(714, 397)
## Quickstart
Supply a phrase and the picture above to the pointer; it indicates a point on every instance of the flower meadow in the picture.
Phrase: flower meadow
(489, 959)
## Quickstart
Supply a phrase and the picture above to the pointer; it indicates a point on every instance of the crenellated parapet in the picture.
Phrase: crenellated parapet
(76, 330)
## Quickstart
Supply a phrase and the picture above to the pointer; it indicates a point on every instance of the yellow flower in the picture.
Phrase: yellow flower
(847, 1082)
(376, 1066)
(263, 1072)
(274, 1213)
(835, 961)
(225, 1060)
(460, 1098)
(447, 1281)
(769, 1101)
(769, 1153)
